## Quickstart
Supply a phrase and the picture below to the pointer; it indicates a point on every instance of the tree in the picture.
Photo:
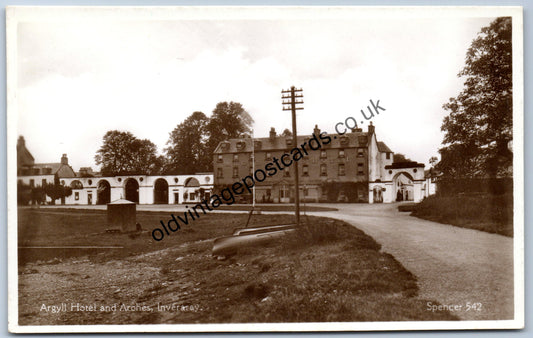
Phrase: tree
(433, 160)
(124, 154)
(56, 191)
(229, 120)
(479, 126)
(400, 158)
(187, 153)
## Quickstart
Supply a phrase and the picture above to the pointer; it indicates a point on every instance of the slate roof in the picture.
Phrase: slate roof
(240, 145)
(382, 147)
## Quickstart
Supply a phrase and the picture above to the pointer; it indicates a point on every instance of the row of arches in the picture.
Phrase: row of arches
(131, 190)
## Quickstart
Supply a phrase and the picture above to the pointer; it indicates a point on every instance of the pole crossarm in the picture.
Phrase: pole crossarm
(289, 103)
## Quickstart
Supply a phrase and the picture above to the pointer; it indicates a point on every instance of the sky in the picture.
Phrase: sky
(78, 75)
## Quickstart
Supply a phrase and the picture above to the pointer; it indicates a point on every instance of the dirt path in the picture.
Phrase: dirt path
(453, 265)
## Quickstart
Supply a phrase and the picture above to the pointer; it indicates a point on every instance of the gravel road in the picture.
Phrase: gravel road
(455, 266)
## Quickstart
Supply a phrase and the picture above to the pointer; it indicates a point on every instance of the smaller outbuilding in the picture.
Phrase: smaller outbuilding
(122, 215)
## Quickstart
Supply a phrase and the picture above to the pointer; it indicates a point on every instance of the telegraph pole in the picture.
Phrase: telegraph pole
(290, 100)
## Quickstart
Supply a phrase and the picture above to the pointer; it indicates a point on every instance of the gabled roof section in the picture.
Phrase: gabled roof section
(24, 157)
(59, 169)
(382, 147)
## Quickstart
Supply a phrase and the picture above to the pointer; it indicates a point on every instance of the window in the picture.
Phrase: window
(287, 173)
(192, 196)
(360, 169)
(305, 171)
(235, 172)
(341, 169)
(268, 156)
(323, 170)
(76, 195)
(323, 154)
(284, 192)
(235, 157)
(360, 152)
(341, 153)
(220, 159)
(220, 174)
(388, 156)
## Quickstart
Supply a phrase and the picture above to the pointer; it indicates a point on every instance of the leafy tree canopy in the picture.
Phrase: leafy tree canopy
(479, 125)
(124, 154)
(229, 120)
(187, 151)
(56, 191)
(400, 158)
(286, 133)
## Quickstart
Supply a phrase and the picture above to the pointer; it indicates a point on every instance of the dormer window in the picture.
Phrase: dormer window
(288, 141)
(257, 145)
(344, 140)
(241, 145)
(225, 145)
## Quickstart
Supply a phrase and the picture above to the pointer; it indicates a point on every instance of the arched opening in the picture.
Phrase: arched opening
(131, 190)
(103, 195)
(76, 184)
(161, 191)
(403, 187)
(191, 190)
(192, 182)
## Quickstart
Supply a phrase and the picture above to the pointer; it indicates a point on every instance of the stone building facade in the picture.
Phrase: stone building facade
(353, 167)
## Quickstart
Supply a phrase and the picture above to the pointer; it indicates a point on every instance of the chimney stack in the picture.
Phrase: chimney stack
(272, 134)
(21, 142)
(64, 159)
(316, 131)
(370, 129)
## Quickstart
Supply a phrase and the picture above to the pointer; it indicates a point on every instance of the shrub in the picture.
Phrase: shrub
(491, 213)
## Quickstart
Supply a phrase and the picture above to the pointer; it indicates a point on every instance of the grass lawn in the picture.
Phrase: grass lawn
(326, 271)
(276, 207)
(490, 213)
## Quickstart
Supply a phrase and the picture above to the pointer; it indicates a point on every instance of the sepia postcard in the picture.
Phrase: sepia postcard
(265, 169)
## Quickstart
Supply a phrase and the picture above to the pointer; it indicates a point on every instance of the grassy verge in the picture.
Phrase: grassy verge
(326, 271)
(276, 207)
(489, 213)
